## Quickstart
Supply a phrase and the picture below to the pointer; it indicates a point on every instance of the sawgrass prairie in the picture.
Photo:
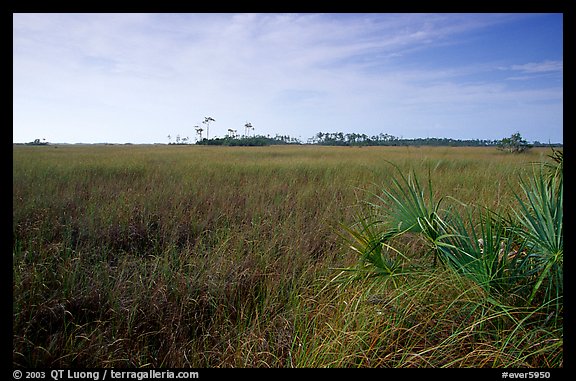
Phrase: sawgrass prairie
(195, 256)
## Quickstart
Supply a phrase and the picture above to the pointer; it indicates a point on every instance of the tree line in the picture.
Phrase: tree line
(252, 141)
(514, 144)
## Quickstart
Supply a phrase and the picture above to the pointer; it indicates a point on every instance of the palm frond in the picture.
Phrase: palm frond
(540, 222)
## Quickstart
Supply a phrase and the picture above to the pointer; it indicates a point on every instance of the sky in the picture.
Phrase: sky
(122, 77)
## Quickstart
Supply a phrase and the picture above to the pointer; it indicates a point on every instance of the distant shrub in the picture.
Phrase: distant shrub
(514, 144)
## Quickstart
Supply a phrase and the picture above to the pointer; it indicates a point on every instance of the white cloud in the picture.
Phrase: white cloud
(165, 72)
(539, 67)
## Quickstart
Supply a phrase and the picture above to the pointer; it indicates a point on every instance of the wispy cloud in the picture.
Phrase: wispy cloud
(548, 69)
(284, 72)
(539, 67)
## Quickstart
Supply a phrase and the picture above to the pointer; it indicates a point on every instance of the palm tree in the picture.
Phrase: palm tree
(199, 131)
(169, 139)
(207, 121)
(247, 127)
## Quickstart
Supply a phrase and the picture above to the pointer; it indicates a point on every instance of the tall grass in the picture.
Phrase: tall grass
(155, 256)
(511, 260)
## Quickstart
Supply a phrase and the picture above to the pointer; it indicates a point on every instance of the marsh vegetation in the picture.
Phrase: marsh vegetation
(286, 256)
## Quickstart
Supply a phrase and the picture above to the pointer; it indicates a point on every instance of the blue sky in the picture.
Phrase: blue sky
(140, 77)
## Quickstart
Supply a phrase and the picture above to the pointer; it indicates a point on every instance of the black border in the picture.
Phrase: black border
(182, 6)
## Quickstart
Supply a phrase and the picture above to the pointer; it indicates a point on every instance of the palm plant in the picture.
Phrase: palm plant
(207, 121)
(540, 222)
(199, 132)
(377, 256)
(482, 251)
(409, 208)
(404, 208)
(522, 254)
(248, 126)
(518, 256)
(555, 168)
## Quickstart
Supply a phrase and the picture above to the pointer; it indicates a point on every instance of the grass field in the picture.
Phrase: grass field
(188, 256)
